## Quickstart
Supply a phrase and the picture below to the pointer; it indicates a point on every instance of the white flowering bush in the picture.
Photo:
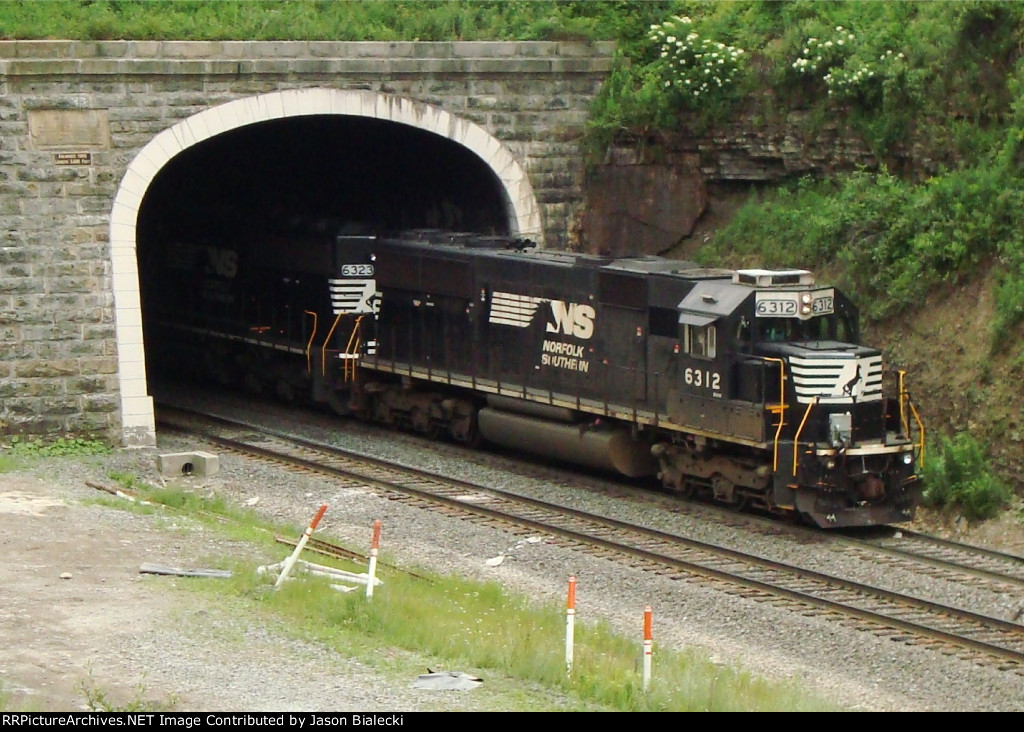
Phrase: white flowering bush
(845, 66)
(693, 67)
(820, 54)
(864, 77)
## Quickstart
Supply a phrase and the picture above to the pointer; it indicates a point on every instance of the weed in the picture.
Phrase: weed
(961, 476)
(69, 446)
(96, 699)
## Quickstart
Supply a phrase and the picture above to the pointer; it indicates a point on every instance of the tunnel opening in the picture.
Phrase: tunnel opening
(272, 196)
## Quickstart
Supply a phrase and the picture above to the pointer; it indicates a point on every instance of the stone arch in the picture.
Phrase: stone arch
(137, 419)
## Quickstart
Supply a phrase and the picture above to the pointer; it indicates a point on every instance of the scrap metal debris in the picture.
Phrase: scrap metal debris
(447, 681)
(147, 568)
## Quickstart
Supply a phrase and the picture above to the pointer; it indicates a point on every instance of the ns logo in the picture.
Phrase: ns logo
(222, 262)
(571, 319)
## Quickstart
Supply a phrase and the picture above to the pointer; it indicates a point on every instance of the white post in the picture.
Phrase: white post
(373, 558)
(298, 547)
(570, 626)
(648, 648)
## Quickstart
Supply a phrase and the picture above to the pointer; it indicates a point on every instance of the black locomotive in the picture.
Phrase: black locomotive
(748, 386)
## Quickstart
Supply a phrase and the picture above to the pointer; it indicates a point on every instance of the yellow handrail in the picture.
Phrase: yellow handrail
(309, 343)
(920, 426)
(796, 437)
(904, 423)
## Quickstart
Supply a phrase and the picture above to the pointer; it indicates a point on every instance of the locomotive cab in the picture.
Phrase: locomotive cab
(842, 452)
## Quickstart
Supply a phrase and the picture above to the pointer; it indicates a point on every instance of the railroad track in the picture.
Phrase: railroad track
(968, 635)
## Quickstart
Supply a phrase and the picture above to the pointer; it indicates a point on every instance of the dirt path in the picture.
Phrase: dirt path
(73, 595)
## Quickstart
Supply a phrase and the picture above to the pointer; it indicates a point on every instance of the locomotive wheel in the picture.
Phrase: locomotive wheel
(421, 422)
(472, 437)
(686, 489)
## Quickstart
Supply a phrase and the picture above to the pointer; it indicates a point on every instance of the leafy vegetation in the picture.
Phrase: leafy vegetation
(889, 241)
(961, 476)
(69, 446)
(935, 85)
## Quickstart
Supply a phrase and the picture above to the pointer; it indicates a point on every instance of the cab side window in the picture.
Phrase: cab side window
(701, 341)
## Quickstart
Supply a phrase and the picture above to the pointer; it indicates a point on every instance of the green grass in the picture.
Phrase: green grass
(381, 20)
(479, 628)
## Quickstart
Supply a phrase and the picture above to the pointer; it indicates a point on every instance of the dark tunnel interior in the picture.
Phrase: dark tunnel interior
(307, 178)
(324, 173)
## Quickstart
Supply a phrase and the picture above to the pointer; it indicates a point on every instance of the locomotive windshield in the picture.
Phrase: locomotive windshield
(834, 327)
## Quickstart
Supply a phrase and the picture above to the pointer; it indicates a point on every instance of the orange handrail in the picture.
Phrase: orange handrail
(351, 349)
(323, 351)
(796, 437)
(309, 343)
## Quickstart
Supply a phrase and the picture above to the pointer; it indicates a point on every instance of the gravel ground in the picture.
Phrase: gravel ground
(208, 658)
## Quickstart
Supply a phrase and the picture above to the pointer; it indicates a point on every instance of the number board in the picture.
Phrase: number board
(787, 304)
(357, 270)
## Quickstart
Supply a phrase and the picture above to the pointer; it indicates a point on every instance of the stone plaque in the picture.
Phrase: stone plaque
(68, 128)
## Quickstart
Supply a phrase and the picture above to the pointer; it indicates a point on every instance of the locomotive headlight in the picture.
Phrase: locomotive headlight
(830, 464)
(908, 458)
(806, 298)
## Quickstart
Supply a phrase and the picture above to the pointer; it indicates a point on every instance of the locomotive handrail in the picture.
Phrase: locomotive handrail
(781, 409)
(920, 427)
(796, 437)
(350, 350)
(309, 343)
(323, 350)
(905, 421)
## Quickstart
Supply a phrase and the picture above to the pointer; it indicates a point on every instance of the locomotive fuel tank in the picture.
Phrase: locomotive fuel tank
(589, 442)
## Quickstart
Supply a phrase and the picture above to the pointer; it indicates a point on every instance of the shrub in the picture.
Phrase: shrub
(961, 476)
(692, 67)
